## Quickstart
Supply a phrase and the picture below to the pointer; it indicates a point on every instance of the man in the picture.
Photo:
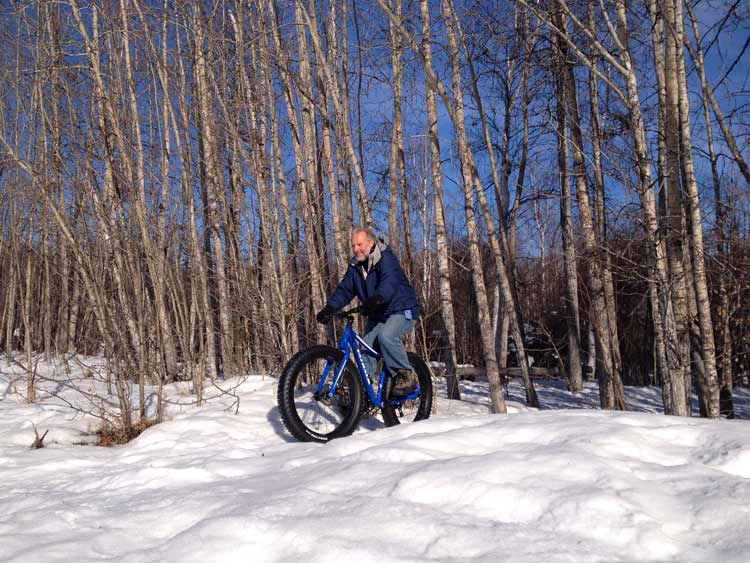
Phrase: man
(388, 299)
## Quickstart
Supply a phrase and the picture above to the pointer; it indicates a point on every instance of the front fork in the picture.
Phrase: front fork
(320, 392)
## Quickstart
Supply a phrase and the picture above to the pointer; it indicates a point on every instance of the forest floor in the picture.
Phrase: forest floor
(225, 482)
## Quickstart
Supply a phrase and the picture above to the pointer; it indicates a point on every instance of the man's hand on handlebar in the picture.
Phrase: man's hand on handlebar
(325, 315)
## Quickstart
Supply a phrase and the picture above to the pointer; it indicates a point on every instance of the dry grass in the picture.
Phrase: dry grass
(38, 440)
(110, 435)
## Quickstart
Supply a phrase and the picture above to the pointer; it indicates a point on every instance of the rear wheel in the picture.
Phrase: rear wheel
(400, 410)
(311, 415)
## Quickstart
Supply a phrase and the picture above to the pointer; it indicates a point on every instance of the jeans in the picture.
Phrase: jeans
(385, 337)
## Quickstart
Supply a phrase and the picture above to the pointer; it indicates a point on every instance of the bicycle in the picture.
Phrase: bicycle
(321, 398)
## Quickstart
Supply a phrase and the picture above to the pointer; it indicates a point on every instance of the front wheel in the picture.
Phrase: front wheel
(319, 415)
(414, 407)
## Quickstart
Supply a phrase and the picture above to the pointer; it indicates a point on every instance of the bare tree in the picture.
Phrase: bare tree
(441, 235)
(570, 262)
(723, 310)
(610, 384)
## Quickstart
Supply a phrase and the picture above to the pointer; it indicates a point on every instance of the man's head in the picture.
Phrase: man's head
(363, 239)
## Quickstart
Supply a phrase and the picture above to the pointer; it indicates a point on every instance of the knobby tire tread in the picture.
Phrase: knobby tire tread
(285, 396)
(390, 416)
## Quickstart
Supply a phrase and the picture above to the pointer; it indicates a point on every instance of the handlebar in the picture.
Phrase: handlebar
(349, 313)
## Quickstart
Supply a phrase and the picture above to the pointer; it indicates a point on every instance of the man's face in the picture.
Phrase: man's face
(361, 245)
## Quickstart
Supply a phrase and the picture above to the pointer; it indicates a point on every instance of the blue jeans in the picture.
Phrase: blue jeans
(385, 337)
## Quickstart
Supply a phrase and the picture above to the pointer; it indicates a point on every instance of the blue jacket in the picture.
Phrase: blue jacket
(379, 274)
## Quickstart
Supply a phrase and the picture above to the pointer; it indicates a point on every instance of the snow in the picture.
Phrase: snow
(224, 482)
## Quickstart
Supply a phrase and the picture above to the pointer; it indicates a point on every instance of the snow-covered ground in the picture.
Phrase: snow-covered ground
(224, 482)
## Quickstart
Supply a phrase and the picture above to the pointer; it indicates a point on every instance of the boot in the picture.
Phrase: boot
(405, 382)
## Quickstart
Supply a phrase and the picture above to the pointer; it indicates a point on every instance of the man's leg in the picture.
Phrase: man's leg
(372, 331)
(390, 338)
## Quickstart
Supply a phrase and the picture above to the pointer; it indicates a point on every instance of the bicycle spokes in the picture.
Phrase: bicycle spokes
(315, 403)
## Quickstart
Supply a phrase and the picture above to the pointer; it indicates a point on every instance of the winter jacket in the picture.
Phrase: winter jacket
(379, 274)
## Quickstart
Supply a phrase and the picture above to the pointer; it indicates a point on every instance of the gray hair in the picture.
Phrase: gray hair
(368, 231)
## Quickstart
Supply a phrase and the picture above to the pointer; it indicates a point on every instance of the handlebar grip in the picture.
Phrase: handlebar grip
(347, 313)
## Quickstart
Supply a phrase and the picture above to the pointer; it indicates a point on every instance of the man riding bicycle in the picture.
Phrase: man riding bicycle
(375, 277)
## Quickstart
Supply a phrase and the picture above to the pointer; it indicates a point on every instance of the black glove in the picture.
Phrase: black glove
(325, 315)
(371, 304)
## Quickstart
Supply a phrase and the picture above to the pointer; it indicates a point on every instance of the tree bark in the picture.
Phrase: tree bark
(675, 234)
(611, 393)
(441, 235)
(570, 263)
(709, 385)
(477, 270)
(213, 189)
(341, 118)
(723, 309)
(498, 243)
(600, 216)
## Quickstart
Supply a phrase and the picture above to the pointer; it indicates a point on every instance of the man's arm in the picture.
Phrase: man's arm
(390, 274)
(344, 292)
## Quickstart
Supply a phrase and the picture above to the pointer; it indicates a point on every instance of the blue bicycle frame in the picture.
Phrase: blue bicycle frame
(353, 343)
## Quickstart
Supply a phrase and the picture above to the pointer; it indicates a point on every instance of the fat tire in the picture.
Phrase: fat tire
(390, 416)
(286, 401)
